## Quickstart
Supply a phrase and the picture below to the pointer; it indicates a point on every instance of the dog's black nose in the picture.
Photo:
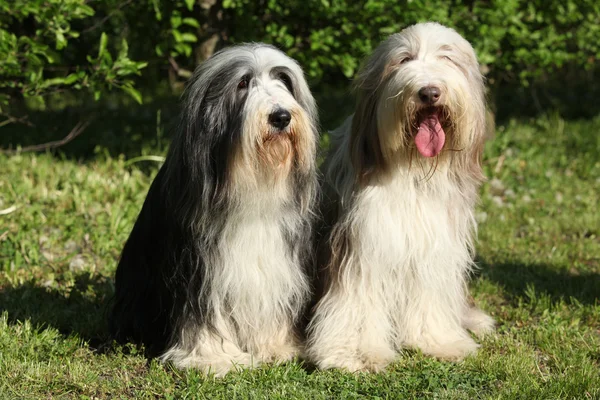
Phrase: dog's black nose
(280, 118)
(430, 94)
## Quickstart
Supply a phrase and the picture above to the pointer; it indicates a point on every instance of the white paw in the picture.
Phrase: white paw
(376, 363)
(218, 366)
(280, 354)
(479, 322)
(451, 351)
(376, 359)
(350, 364)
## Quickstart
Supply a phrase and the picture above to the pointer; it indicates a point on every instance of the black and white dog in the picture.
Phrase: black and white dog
(215, 272)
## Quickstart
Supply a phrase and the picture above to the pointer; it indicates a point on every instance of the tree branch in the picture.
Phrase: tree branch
(103, 20)
(11, 120)
(76, 131)
(181, 72)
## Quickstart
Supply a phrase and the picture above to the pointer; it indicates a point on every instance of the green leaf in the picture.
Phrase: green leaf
(103, 41)
(189, 37)
(190, 4)
(183, 48)
(191, 22)
(61, 41)
(132, 92)
(86, 10)
(52, 82)
(177, 35)
(157, 12)
(124, 49)
(176, 21)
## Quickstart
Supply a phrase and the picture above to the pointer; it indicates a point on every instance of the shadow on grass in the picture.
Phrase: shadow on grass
(115, 129)
(572, 92)
(516, 278)
(81, 311)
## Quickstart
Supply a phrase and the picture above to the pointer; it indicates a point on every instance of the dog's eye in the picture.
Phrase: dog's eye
(446, 58)
(405, 60)
(287, 81)
(244, 82)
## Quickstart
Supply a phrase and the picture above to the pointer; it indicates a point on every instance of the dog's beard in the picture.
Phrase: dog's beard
(277, 150)
(270, 156)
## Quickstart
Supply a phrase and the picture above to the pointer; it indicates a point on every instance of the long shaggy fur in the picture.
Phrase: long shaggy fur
(214, 273)
(398, 237)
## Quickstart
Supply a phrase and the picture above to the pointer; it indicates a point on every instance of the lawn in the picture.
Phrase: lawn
(65, 218)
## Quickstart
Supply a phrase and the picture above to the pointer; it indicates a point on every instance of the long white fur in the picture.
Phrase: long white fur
(254, 271)
(256, 283)
(410, 230)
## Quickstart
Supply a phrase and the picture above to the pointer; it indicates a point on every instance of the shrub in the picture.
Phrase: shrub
(41, 54)
(62, 45)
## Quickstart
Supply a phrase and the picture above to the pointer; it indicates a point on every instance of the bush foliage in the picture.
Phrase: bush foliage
(41, 51)
(63, 45)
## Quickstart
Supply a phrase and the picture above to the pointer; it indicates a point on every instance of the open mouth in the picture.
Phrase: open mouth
(429, 131)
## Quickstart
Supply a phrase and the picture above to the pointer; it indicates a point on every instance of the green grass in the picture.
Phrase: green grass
(539, 252)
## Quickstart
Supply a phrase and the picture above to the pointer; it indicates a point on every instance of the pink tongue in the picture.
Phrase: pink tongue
(430, 137)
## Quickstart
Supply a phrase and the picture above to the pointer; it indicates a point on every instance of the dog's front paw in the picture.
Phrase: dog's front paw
(281, 353)
(451, 351)
(347, 363)
(376, 363)
(221, 367)
(479, 322)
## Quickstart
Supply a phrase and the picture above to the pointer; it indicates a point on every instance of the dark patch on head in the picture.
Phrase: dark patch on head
(285, 75)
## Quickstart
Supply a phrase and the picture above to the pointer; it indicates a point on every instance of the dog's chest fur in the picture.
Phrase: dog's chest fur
(411, 223)
(258, 276)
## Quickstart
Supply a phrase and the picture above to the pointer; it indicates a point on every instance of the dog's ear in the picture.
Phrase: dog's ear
(365, 144)
(482, 125)
(475, 154)
(365, 148)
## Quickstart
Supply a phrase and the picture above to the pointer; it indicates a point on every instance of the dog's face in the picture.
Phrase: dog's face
(420, 95)
(248, 110)
(278, 125)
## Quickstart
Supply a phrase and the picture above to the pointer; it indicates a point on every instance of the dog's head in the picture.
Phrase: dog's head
(249, 121)
(420, 97)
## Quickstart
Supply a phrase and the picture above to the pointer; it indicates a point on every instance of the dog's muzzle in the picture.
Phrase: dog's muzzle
(280, 118)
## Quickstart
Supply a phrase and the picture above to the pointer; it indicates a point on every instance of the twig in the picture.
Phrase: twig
(76, 131)
(10, 119)
(499, 164)
(8, 210)
(158, 159)
(103, 20)
(181, 72)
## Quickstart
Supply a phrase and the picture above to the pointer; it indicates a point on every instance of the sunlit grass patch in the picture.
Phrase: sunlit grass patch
(63, 223)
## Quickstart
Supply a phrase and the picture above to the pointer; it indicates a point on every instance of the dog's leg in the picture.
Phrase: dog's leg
(334, 333)
(213, 352)
(278, 345)
(433, 320)
(375, 346)
(351, 332)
